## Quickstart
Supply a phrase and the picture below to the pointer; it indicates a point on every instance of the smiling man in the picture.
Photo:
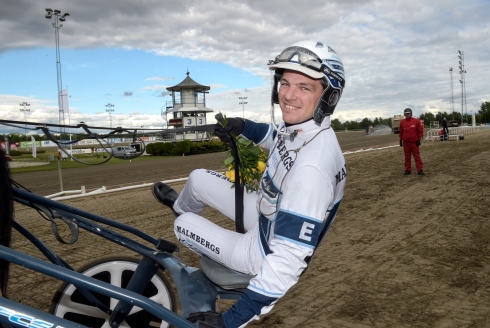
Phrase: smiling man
(300, 190)
(298, 96)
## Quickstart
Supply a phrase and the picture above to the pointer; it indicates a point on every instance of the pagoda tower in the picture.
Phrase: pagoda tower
(188, 109)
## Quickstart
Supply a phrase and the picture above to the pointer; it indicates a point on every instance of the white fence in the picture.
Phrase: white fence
(454, 132)
(82, 192)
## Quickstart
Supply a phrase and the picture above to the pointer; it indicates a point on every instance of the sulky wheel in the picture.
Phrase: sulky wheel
(69, 303)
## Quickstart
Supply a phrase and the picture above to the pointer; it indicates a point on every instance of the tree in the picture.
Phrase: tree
(365, 123)
(337, 125)
(485, 112)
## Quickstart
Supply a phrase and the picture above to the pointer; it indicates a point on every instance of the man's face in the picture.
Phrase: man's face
(408, 115)
(298, 96)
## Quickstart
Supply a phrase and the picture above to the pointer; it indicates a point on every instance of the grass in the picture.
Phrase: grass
(68, 163)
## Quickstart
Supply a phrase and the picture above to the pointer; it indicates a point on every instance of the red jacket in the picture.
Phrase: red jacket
(411, 129)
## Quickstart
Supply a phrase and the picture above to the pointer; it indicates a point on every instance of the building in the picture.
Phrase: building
(187, 109)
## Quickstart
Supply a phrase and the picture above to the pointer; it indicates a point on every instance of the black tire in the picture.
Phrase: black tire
(70, 304)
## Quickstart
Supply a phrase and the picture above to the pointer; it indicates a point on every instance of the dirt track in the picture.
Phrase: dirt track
(164, 168)
(405, 251)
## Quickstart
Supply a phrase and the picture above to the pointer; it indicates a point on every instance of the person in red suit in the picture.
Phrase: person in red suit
(411, 132)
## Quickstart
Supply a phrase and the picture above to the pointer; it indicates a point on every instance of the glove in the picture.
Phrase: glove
(417, 143)
(235, 125)
(401, 143)
(207, 319)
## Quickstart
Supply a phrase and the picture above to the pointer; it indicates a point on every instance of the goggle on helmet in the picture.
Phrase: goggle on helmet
(318, 62)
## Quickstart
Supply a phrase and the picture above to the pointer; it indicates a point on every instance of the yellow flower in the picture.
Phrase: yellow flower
(252, 162)
(230, 175)
(261, 166)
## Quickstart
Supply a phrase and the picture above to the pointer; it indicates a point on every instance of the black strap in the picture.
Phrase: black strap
(239, 187)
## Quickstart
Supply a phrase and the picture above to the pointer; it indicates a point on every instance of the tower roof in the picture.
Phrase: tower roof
(189, 83)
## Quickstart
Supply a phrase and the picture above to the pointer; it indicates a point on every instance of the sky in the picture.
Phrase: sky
(396, 54)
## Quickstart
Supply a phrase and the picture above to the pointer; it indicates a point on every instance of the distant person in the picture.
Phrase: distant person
(300, 190)
(445, 130)
(369, 129)
(411, 131)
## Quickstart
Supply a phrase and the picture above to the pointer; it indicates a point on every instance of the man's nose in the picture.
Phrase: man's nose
(291, 93)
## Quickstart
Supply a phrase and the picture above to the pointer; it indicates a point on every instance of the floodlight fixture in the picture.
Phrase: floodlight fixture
(25, 110)
(243, 103)
(110, 110)
(57, 18)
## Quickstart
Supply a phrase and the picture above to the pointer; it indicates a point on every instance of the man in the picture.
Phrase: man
(410, 132)
(445, 130)
(300, 190)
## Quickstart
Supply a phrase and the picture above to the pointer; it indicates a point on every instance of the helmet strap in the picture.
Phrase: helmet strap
(326, 104)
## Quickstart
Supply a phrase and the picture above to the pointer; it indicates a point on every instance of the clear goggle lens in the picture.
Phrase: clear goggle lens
(301, 56)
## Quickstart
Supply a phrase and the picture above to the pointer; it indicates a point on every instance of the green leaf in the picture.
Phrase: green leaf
(228, 161)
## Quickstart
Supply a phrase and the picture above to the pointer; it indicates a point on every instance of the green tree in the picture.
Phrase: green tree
(14, 137)
(484, 112)
(365, 123)
(337, 125)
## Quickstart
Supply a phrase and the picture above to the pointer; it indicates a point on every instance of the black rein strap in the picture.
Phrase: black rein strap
(239, 188)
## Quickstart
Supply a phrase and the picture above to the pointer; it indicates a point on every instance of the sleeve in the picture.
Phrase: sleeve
(420, 130)
(400, 130)
(298, 228)
(259, 133)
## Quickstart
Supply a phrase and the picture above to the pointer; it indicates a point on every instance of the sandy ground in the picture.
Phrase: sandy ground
(128, 172)
(404, 251)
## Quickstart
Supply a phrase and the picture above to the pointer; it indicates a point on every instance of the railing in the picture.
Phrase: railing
(455, 132)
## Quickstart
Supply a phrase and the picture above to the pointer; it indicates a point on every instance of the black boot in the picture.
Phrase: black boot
(165, 194)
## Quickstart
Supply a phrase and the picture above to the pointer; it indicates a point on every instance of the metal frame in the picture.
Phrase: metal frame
(190, 282)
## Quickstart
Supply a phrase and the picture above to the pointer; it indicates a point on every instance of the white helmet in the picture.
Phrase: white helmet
(317, 61)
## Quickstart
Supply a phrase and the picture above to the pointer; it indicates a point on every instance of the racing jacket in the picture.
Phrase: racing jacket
(300, 194)
(411, 129)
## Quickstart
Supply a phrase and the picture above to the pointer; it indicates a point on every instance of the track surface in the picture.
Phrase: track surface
(403, 252)
(162, 168)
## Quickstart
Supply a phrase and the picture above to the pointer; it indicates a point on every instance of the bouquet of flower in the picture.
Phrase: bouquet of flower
(252, 161)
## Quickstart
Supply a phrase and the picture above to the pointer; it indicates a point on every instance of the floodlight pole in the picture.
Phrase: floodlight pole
(452, 93)
(58, 18)
(243, 103)
(25, 110)
(462, 71)
(110, 110)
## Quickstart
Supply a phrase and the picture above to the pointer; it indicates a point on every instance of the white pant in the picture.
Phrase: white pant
(240, 252)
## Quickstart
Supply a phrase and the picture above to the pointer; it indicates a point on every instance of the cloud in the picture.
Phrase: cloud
(163, 94)
(396, 53)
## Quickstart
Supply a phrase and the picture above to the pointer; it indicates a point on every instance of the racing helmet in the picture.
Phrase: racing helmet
(407, 110)
(317, 61)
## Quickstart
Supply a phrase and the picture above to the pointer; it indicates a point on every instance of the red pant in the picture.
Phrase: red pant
(411, 148)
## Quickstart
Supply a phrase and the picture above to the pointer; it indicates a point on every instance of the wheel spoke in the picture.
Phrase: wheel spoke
(91, 311)
(115, 272)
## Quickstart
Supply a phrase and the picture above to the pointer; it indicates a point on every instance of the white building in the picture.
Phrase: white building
(187, 109)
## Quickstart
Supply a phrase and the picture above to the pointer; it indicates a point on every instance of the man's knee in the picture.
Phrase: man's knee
(195, 174)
